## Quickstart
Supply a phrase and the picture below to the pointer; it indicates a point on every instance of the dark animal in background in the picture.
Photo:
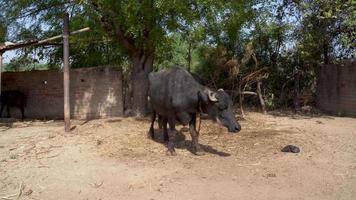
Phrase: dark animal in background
(11, 99)
(178, 97)
(291, 149)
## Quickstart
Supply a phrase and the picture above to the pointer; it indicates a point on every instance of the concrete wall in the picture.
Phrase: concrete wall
(336, 91)
(94, 92)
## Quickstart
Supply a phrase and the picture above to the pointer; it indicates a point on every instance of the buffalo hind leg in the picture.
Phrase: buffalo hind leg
(8, 111)
(197, 150)
(171, 133)
(162, 124)
(151, 133)
(2, 109)
(160, 121)
(22, 113)
(165, 131)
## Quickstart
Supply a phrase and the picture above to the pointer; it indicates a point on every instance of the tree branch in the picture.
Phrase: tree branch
(40, 8)
(110, 25)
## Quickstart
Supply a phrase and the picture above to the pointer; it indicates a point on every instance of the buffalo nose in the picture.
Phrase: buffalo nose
(238, 128)
(235, 128)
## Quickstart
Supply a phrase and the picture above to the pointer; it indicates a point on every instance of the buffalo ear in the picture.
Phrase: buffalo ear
(212, 96)
(207, 96)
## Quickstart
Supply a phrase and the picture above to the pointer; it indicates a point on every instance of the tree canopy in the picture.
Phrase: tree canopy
(219, 39)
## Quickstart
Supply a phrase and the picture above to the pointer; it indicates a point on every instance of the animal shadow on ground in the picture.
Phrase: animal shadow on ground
(7, 123)
(113, 120)
(180, 142)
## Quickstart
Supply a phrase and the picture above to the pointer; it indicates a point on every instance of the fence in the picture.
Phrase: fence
(94, 92)
(336, 90)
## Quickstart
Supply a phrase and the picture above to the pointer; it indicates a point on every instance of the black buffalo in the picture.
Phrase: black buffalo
(13, 98)
(177, 97)
(162, 121)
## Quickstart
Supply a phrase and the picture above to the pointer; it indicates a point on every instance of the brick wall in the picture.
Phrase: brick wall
(94, 92)
(336, 91)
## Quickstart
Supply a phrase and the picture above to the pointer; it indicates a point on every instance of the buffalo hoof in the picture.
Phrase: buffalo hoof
(165, 138)
(199, 153)
(150, 135)
(171, 153)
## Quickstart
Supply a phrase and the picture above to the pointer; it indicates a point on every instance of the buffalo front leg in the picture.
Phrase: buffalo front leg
(171, 135)
(197, 150)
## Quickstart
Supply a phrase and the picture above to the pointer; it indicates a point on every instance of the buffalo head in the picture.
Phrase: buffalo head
(218, 105)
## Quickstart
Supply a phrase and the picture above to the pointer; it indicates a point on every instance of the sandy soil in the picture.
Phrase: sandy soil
(112, 159)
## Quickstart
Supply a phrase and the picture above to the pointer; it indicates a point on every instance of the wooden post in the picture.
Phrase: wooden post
(66, 80)
(0, 71)
(241, 95)
(296, 89)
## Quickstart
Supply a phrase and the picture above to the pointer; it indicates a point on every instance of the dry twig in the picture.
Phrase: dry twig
(96, 185)
(15, 196)
(254, 164)
(48, 156)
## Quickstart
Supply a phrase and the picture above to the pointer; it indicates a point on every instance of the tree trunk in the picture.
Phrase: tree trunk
(142, 66)
(296, 89)
(241, 100)
(326, 52)
(260, 97)
(189, 55)
(127, 92)
(282, 96)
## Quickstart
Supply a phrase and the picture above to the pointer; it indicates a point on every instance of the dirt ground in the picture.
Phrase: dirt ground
(112, 159)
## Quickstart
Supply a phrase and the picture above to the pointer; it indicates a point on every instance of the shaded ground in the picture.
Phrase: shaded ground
(112, 159)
